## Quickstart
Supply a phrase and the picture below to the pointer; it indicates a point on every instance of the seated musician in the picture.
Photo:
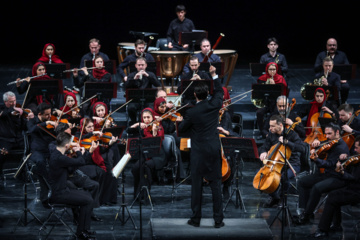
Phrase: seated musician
(330, 219)
(104, 156)
(99, 113)
(311, 187)
(70, 104)
(148, 128)
(318, 105)
(294, 144)
(282, 110)
(162, 93)
(205, 47)
(32, 102)
(48, 54)
(195, 74)
(346, 112)
(12, 126)
(330, 78)
(270, 77)
(141, 79)
(139, 52)
(274, 56)
(61, 193)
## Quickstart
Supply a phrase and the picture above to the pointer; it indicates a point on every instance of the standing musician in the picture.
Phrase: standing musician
(139, 52)
(205, 47)
(61, 193)
(12, 125)
(178, 25)
(293, 141)
(311, 187)
(270, 77)
(283, 108)
(346, 113)
(148, 127)
(32, 102)
(274, 56)
(94, 46)
(141, 79)
(203, 120)
(350, 195)
(48, 54)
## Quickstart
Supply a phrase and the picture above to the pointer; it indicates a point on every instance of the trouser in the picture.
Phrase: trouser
(284, 183)
(196, 198)
(332, 208)
(79, 198)
(311, 188)
(40, 167)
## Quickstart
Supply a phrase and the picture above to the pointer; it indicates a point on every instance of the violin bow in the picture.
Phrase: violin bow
(183, 92)
(27, 91)
(233, 102)
(324, 143)
(238, 95)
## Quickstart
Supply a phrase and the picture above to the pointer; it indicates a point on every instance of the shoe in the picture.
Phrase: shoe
(303, 219)
(334, 228)
(96, 218)
(320, 234)
(271, 203)
(193, 223)
(85, 236)
(219, 224)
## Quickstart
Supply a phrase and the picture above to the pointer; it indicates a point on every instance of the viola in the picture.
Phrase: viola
(348, 138)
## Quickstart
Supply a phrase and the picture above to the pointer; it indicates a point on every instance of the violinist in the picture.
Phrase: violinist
(283, 108)
(348, 123)
(270, 77)
(70, 103)
(32, 102)
(311, 187)
(148, 128)
(48, 54)
(162, 93)
(330, 219)
(99, 113)
(293, 141)
(12, 125)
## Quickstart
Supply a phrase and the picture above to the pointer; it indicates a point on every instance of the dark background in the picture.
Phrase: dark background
(302, 27)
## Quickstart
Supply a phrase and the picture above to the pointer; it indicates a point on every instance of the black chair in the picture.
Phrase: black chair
(237, 124)
(57, 211)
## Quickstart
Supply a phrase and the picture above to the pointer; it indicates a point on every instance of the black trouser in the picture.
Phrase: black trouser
(284, 182)
(311, 188)
(196, 198)
(146, 179)
(332, 209)
(79, 198)
(41, 167)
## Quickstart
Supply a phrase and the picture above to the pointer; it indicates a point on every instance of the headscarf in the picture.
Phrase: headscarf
(99, 73)
(95, 105)
(147, 132)
(157, 103)
(66, 108)
(45, 58)
(39, 98)
(315, 106)
(278, 79)
(226, 95)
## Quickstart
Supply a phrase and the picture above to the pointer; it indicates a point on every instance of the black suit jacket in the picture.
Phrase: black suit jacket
(202, 120)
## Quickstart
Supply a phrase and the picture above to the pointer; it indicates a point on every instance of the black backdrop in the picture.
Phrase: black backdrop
(302, 27)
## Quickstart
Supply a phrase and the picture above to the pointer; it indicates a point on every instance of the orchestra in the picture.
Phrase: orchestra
(74, 147)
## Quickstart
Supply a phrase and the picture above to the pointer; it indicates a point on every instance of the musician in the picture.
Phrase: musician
(293, 142)
(94, 46)
(70, 103)
(178, 25)
(205, 47)
(202, 121)
(32, 102)
(12, 126)
(147, 128)
(99, 112)
(48, 54)
(274, 56)
(162, 94)
(346, 112)
(141, 79)
(311, 187)
(40, 140)
(139, 52)
(270, 77)
(283, 108)
(195, 74)
(316, 106)
(330, 78)
(350, 195)
(58, 175)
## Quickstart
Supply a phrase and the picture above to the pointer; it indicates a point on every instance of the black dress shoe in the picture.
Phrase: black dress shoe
(303, 219)
(96, 218)
(85, 236)
(335, 228)
(219, 224)
(193, 223)
(320, 234)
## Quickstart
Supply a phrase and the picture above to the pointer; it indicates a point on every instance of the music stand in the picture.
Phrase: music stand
(237, 148)
(45, 87)
(115, 131)
(345, 71)
(310, 91)
(192, 38)
(110, 65)
(325, 121)
(257, 69)
(204, 67)
(266, 92)
(151, 67)
(102, 89)
(24, 169)
(56, 70)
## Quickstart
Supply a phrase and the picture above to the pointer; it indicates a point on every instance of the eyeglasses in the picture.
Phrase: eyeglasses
(272, 69)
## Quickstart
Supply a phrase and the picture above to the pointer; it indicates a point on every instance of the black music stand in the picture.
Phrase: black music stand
(115, 131)
(204, 67)
(110, 65)
(25, 170)
(192, 38)
(151, 67)
(266, 92)
(56, 70)
(257, 69)
(237, 148)
(344, 70)
(141, 96)
(45, 87)
(103, 90)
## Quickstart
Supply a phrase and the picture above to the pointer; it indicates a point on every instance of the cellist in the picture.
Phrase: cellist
(293, 141)
(312, 186)
(348, 125)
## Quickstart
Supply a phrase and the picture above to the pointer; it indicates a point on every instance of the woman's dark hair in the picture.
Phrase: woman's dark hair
(201, 90)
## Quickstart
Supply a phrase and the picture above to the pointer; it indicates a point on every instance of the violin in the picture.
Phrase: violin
(348, 138)
(25, 113)
(87, 142)
(322, 152)
(172, 115)
(55, 119)
(351, 160)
